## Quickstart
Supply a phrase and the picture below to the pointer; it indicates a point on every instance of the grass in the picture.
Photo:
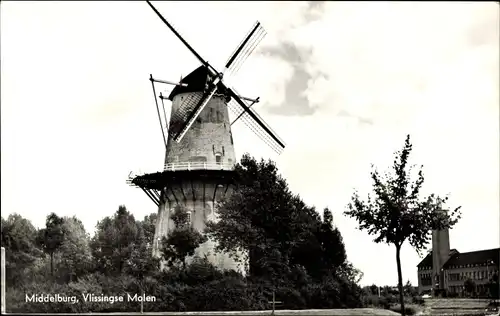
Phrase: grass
(410, 309)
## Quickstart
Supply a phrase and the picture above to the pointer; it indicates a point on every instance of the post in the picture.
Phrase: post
(142, 302)
(274, 302)
(3, 280)
(488, 278)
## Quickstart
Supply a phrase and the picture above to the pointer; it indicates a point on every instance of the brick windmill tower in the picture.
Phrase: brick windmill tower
(200, 158)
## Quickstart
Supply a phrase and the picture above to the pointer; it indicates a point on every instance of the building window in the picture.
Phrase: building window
(188, 217)
(454, 277)
(218, 159)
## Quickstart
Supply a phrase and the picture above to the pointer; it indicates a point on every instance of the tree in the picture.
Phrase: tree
(51, 237)
(321, 248)
(262, 218)
(409, 289)
(470, 286)
(75, 248)
(348, 272)
(396, 213)
(113, 242)
(373, 289)
(141, 262)
(285, 240)
(182, 241)
(493, 286)
(21, 252)
(334, 254)
(149, 226)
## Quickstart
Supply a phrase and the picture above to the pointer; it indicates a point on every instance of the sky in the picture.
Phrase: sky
(342, 83)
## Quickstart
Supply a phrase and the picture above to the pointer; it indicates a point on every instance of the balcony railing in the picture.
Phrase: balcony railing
(198, 166)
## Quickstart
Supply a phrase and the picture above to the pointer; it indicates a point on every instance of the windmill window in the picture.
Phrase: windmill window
(211, 114)
(188, 219)
(219, 117)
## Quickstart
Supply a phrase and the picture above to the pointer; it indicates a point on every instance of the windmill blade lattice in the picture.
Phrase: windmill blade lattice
(255, 123)
(191, 108)
(181, 115)
(236, 60)
(254, 127)
(245, 49)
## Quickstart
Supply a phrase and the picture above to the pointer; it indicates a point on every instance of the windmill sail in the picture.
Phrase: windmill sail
(191, 108)
(255, 128)
(180, 117)
(257, 124)
(191, 49)
(245, 48)
(193, 114)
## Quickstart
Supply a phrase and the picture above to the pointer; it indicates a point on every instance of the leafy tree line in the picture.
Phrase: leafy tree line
(291, 250)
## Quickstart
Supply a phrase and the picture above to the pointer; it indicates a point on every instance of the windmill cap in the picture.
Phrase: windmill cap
(195, 81)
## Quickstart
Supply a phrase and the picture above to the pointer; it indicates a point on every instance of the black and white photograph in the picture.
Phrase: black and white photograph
(250, 158)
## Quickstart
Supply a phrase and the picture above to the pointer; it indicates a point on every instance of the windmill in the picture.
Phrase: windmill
(200, 158)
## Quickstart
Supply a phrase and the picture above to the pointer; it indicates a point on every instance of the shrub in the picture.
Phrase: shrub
(16, 298)
(409, 310)
(418, 300)
(452, 295)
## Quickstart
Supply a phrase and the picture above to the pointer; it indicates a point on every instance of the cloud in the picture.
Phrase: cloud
(295, 101)
(430, 70)
(314, 10)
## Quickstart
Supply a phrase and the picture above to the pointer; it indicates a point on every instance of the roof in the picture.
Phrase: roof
(474, 257)
(196, 82)
(427, 261)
